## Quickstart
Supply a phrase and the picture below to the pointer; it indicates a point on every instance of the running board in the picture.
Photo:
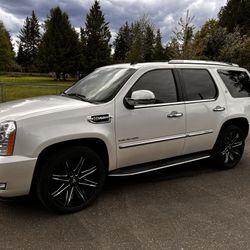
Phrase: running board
(157, 165)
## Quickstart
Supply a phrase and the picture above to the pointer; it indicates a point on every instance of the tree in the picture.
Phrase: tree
(29, 39)
(213, 42)
(142, 40)
(83, 50)
(244, 55)
(184, 34)
(173, 50)
(148, 44)
(231, 48)
(6, 50)
(97, 35)
(158, 49)
(59, 48)
(236, 15)
(135, 54)
(208, 41)
(122, 43)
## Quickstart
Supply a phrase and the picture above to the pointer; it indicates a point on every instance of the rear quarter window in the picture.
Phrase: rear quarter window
(237, 82)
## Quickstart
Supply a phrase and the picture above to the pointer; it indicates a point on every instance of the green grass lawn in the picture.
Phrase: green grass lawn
(17, 87)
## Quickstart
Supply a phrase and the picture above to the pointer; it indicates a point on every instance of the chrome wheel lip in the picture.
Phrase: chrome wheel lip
(75, 184)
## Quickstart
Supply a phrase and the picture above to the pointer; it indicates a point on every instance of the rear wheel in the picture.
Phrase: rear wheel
(229, 147)
(71, 179)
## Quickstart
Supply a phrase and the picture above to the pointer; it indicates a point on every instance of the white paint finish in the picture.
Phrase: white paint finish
(36, 133)
(17, 172)
(148, 124)
(38, 106)
(44, 121)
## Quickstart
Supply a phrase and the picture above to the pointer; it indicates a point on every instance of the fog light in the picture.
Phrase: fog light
(3, 186)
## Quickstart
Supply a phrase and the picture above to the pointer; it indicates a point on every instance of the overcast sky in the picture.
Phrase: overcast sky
(164, 13)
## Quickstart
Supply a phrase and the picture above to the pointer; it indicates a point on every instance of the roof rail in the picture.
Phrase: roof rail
(202, 62)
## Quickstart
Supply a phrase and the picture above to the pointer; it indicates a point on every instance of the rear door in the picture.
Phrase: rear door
(205, 109)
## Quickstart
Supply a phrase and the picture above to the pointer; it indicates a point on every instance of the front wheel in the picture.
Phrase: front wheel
(229, 147)
(70, 179)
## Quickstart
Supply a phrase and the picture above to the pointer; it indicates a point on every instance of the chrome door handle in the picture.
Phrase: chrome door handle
(175, 114)
(219, 109)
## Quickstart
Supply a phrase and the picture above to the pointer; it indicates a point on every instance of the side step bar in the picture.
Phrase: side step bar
(154, 166)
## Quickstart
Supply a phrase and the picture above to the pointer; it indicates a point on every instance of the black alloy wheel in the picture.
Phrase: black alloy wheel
(229, 148)
(71, 179)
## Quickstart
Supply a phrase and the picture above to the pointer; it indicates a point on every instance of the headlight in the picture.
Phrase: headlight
(7, 137)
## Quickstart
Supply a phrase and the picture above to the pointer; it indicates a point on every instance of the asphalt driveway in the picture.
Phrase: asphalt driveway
(189, 207)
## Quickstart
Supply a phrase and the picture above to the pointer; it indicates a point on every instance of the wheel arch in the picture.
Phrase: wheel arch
(96, 144)
(241, 122)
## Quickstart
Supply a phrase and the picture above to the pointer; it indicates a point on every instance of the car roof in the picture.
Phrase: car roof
(178, 63)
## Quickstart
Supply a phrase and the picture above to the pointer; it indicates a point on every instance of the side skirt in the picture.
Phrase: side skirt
(157, 165)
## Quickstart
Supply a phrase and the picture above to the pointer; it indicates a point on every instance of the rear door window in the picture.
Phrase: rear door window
(237, 82)
(198, 84)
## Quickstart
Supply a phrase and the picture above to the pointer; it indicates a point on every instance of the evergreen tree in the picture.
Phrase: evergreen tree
(122, 43)
(236, 15)
(135, 54)
(97, 36)
(173, 50)
(214, 43)
(29, 38)
(59, 48)
(203, 39)
(184, 34)
(6, 49)
(83, 51)
(158, 49)
(148, 44)
(142, 40)
(244, 55)
(231, 48)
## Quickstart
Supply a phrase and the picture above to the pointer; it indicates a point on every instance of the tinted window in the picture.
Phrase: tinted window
(161, 83)
(237, 82)
(199, 84)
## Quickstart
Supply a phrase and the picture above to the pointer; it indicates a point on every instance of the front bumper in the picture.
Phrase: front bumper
(16, 172)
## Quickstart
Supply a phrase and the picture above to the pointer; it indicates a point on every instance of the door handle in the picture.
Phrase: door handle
(175, 114)
(219, 109)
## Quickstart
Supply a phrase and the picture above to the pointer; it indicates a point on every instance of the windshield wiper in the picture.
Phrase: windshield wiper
(79, 96)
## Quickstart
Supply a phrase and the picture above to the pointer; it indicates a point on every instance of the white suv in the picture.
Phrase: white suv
(122, 120)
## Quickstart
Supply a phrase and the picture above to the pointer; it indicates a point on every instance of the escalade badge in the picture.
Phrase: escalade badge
(106, 118)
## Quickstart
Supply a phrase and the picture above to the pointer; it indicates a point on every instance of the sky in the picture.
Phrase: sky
(163, 13)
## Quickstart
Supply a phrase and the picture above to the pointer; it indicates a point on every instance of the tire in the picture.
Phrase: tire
(229, 147)
(71, 179)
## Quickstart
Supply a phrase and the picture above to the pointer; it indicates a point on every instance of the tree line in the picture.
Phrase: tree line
(62, 50)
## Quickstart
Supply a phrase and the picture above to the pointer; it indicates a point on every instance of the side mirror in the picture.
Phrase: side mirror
(141, 97)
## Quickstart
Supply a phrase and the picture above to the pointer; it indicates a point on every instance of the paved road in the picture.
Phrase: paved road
(188, 207)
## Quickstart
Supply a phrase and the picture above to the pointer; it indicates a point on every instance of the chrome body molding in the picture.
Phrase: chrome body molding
(150, 141)
(162, 139)
(172, 103)
(161, 167)
(205, 132)
(200, 101)
(158, 105)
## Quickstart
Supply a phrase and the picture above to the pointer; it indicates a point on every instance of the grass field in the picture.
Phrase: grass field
(17, 87)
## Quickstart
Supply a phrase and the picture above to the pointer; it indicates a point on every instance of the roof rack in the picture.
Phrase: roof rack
(202, 62)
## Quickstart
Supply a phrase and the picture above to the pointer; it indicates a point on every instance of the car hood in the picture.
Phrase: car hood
(37, 106)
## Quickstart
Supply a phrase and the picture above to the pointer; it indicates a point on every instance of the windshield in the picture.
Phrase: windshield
(101, 85)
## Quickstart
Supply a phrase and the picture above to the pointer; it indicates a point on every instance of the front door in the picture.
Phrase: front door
(151, 132)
